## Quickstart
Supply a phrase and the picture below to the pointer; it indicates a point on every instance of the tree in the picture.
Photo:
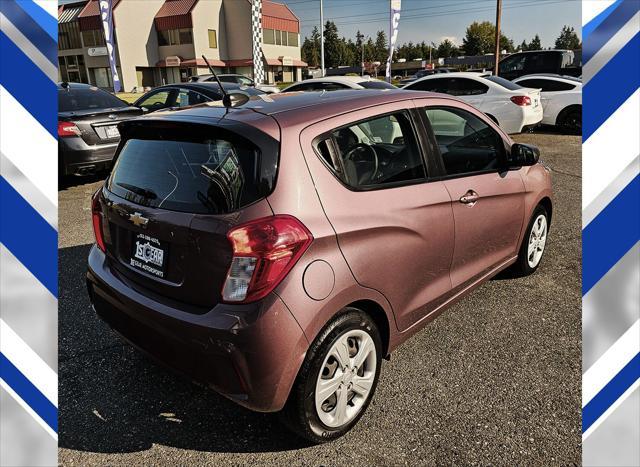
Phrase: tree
(311, 48)
(381, 48)
(332, 46)
(535, 43)
(524, 46)
(446, 49)
(568, 39)
(480, 39)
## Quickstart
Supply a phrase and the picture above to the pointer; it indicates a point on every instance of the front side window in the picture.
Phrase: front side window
(514, 63)
(467, 144)
(187, 97)
(375, 152)
(440, 85)
(156, 100)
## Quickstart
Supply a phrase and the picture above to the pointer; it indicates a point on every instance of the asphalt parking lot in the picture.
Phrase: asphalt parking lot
(494, 380)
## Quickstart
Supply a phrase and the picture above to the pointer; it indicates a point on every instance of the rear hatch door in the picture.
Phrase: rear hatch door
(175, 191)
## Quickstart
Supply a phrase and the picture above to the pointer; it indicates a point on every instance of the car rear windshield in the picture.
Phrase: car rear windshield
(72, 100)
(510, 85)
(376, 84)
(212, 172)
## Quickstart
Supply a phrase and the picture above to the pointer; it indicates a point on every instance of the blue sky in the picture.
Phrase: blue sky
(433, 20)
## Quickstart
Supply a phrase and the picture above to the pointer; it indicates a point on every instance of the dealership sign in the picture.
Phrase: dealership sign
(106, 15)
(395, 22)
(97, 51)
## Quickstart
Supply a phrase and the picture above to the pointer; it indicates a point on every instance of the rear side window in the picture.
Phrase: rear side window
(213, 172)
(71, 100)
(547, 85)
(374, 153)
(467, 144)
(467, 87)
(510, 85)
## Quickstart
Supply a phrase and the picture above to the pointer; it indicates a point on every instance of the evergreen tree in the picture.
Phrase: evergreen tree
(535, 43)
(568, 39)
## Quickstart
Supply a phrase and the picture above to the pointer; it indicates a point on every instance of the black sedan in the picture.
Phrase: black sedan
(88, 127)
(175, 96)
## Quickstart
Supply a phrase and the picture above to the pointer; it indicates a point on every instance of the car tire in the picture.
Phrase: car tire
(533, 244)
(571, 120)
(317, 418)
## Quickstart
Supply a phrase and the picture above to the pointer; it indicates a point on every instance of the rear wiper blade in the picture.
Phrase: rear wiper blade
(138, 191)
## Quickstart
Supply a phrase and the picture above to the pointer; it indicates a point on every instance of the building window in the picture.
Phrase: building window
(101, 77)
(71, 69)
(293, 39)
(213, 39)
(93, 38)
(268, 36)
(276, 37)
(69, 36)
(175, 36)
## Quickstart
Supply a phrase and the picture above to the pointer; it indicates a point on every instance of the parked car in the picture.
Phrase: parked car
(511, 106)
(561, 99)
(335, 83)
(561, 62)
(185, 94)
(423, 73)
(277, 252)
(242, 80)
(88, 120)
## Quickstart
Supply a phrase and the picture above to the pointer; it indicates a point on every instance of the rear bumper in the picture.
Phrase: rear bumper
(79, 158)
(248, 353)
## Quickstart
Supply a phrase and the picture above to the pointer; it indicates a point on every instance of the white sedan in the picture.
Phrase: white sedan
(511, 106)
(561, 99)
(335, 83)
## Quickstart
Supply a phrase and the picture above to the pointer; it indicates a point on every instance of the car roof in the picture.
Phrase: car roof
(298, 108)
(336, 79)
(455, 74)
(207, 85)
(555, 76)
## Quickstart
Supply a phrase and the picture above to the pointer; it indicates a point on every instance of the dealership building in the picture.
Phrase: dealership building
(163, 41)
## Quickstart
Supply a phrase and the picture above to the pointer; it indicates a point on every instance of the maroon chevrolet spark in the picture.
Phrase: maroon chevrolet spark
(279, 250)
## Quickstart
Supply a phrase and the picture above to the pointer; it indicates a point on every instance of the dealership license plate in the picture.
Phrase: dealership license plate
(111, 131)
(149, 255)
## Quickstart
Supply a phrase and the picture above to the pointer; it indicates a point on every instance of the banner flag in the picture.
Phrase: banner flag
(395, 22)
(256, 34)
(106, 15)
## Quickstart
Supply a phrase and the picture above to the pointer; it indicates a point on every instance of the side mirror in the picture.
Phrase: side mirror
(235, 99)
(522, 155)
(144, 110)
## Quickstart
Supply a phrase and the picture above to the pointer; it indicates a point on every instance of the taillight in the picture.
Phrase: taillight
(264, 251)
(66, 129)
(96, 217)
(521, 100)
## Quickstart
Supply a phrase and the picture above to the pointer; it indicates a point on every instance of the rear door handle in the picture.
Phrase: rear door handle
(470, 197)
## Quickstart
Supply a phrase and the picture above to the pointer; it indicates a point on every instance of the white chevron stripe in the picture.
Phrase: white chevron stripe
(592, 8)
(599, 167)
(28, 146)
(30, 50)
(28, 362)
(611, 362)
(50, 6)
(28, 409)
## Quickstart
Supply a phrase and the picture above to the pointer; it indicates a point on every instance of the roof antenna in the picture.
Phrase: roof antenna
(228, 99)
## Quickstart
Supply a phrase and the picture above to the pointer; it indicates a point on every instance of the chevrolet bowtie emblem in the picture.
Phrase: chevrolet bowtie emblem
(138, 220)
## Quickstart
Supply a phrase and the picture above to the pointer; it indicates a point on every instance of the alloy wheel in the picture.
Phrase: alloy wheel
(346, 378)
(537, 240)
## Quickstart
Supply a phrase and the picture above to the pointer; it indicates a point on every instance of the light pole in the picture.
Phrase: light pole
(360, 37)
(321, 40)
(497, 55)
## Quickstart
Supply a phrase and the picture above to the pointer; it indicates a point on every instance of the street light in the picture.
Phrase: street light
(360, 37)
(321, 40)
